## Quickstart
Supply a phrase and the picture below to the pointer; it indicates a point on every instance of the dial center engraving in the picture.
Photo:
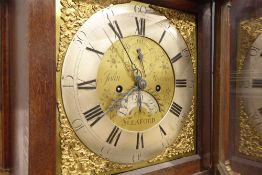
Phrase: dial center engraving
(138, 106)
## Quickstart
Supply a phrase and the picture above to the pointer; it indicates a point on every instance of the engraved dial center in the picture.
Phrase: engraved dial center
(145, 107)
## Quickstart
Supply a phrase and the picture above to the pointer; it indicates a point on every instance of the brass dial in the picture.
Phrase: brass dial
(115, 70)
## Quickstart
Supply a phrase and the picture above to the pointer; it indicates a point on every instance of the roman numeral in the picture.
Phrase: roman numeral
(257, 83)
(116, 29)
(176, 109)
(140, 26)
(136, 157)
(94, 50)
(253, 51)
(79, 37)
(181, 83)
(77, 124)
(141, 9)
(114, 135)
(162, 130)
(94, 114)
(162, 36)
(183, 53)
(67, 81)
(177, 57)
(139, 140)
(91, 84)
(260, 111)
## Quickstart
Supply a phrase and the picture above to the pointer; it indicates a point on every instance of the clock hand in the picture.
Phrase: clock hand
(134, 68)
(116, 48)
(139, 100)
(141, 86)
(147, 100)
(140, 57)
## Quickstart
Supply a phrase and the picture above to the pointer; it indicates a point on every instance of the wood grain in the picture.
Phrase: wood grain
(186, 168)
(4, 89)
(42, 87)
(18, 85)
(222, 84)
(204, 109)
(185, 5)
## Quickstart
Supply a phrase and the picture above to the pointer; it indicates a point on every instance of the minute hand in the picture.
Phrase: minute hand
(116, 33)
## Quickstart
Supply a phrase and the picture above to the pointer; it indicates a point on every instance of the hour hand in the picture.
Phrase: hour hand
(140, 58)
(119, 35)
(140, 55)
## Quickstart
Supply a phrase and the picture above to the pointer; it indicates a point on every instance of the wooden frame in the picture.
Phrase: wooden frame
(4, 90)
(221, 85)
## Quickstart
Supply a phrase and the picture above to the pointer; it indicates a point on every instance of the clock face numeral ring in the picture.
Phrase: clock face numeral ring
(126, 83)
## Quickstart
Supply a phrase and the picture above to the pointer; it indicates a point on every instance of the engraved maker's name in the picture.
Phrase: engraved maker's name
(111, 77)
(139, 121)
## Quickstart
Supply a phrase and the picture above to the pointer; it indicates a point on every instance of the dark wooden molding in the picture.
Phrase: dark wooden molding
(204, 101)
(245, 166)
(205, 172)
(42, 87)
(184, 5)
(187, 168)
(221, 84)
(4, 89)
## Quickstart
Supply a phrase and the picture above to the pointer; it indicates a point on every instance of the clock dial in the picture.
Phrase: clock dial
(127, 83)
(251, 85)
